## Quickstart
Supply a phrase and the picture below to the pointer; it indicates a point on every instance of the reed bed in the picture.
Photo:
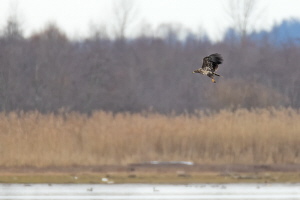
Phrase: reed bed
(259, 136)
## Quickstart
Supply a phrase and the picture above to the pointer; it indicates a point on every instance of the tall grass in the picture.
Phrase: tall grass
(262, 136)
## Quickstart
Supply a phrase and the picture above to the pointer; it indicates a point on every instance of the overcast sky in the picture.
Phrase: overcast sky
(76, 17)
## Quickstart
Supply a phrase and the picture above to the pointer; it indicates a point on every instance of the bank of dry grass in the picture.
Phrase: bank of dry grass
(261, 136)
(96, 178)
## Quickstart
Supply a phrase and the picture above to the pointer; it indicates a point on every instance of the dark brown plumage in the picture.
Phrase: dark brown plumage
(210, 65)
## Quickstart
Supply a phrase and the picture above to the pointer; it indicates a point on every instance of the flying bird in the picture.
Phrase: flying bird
(210, 65)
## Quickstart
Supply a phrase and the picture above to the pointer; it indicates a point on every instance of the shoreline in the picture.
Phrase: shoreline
(145, 173)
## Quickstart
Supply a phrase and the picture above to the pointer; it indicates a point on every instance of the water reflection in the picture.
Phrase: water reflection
(150, 191)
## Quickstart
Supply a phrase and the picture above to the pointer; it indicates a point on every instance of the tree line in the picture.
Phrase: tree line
(48, 71)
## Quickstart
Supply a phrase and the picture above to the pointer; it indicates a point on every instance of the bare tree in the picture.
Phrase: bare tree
(244, 14)
(125, 13)
(13, 27)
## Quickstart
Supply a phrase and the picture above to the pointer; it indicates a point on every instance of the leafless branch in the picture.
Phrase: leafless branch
(125, 13)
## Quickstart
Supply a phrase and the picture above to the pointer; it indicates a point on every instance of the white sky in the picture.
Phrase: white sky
(76, 17)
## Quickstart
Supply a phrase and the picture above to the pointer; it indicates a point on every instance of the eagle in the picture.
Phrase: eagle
(210, 65)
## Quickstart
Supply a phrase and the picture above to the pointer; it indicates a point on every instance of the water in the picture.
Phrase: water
(150, 191)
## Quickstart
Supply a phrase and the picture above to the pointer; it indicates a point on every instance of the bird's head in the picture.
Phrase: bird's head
(198, 71)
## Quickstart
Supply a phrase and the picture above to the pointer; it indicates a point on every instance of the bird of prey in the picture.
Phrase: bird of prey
(210, 65)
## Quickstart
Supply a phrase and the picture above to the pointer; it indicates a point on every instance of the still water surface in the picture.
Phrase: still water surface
(150, 191)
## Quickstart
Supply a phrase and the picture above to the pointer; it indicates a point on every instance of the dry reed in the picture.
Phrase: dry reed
(260, 136)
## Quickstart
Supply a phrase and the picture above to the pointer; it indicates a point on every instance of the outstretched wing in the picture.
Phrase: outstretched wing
(215, 59)
(207, 65)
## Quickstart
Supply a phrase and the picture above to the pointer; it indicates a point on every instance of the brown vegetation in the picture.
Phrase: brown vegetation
(258, 136)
